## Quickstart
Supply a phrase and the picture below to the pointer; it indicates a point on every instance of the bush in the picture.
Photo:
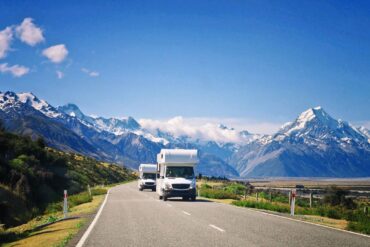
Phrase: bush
(235, 188)
(54, 207)
(205, 186)
(361, 225)
(263, 205)
(98, 191)
(333, 213)
(217, 194)
(78, 199)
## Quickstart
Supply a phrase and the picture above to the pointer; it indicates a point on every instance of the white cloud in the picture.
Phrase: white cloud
(29, 33)
(90, 73)
(208, 128)
(15, 70)
(60, 74)
(6, 37)
(56, 53)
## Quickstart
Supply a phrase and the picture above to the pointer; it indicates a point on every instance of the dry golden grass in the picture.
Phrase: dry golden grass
(313, 183)
(226, 201)
(56, 234)
(340, 224)
(210, 183)
(52, 235)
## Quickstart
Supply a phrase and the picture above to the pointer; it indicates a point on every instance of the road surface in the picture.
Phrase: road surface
(134, 218)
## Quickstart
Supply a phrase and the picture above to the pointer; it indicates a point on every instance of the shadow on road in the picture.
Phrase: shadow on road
(180, 200)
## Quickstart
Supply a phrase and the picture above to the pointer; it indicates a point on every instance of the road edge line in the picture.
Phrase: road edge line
(292, 219)
(82, 240)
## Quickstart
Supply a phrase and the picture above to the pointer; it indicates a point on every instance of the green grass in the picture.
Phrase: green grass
(263, 205)
(98, 191)
(218, 194)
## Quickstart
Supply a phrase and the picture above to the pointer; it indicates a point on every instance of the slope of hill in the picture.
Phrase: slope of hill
(32, 176)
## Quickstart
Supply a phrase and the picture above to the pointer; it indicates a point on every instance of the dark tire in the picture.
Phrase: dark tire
(153, 189)
(165, 198)
(160, 197)
(141, 189)
(193, 198)
(184, 198)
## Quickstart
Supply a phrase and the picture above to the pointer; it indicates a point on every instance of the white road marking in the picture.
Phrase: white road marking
(93, 223)
(186, 213)
(287, 218)
(217, 228)
(169, 205)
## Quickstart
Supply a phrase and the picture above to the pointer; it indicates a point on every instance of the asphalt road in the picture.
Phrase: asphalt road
(134, 218)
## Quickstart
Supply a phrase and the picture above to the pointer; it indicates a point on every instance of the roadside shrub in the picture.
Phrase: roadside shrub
(78, 199)
(54, 207)
(263, 205)
(235, 188)
(98, 191)
(205, 186)
(217, 194)
(361, 225)
(333, 213)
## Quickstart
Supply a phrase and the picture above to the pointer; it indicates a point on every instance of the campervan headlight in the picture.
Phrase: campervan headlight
(192, 184)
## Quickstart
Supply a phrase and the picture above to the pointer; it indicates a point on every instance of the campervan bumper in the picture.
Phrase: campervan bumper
(179, 193)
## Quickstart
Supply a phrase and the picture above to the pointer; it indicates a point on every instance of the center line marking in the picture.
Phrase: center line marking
(217, 228)
(186, 213)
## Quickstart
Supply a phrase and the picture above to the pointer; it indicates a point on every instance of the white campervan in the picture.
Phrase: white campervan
(175, 173)
(147, 176)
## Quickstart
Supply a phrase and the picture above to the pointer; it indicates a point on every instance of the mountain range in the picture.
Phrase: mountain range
(313, 145)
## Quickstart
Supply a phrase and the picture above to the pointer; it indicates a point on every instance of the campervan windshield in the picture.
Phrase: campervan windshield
(180, 172)
(149, 176)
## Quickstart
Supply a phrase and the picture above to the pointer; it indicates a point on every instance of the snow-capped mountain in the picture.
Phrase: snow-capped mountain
(117, 126)
(11, 99)
(314, 145)
(364, 132)
(315, 127)
(120, 140)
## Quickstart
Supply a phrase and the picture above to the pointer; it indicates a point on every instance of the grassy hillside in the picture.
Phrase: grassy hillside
(32, 176)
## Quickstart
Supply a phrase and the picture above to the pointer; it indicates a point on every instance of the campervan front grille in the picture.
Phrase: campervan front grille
(149, 183)
(180, 186)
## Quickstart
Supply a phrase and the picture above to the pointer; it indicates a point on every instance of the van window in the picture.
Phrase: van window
(180, 172)
(149, 176)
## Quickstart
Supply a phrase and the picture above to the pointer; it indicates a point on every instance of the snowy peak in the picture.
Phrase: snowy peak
(10, 99)
(316, 125)
(71, 110)
(117, 126)
(364, 132)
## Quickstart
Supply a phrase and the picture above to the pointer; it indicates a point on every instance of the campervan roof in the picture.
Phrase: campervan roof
(150, 168)
(178, 156)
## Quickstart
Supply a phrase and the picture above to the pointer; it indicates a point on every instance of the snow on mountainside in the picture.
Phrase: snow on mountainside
(119, 140)
(315, 125)
(10, 99)
(365, 132)
(116, 126)
(314, 145)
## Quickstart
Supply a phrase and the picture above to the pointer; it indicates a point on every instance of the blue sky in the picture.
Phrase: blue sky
(257, 61)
